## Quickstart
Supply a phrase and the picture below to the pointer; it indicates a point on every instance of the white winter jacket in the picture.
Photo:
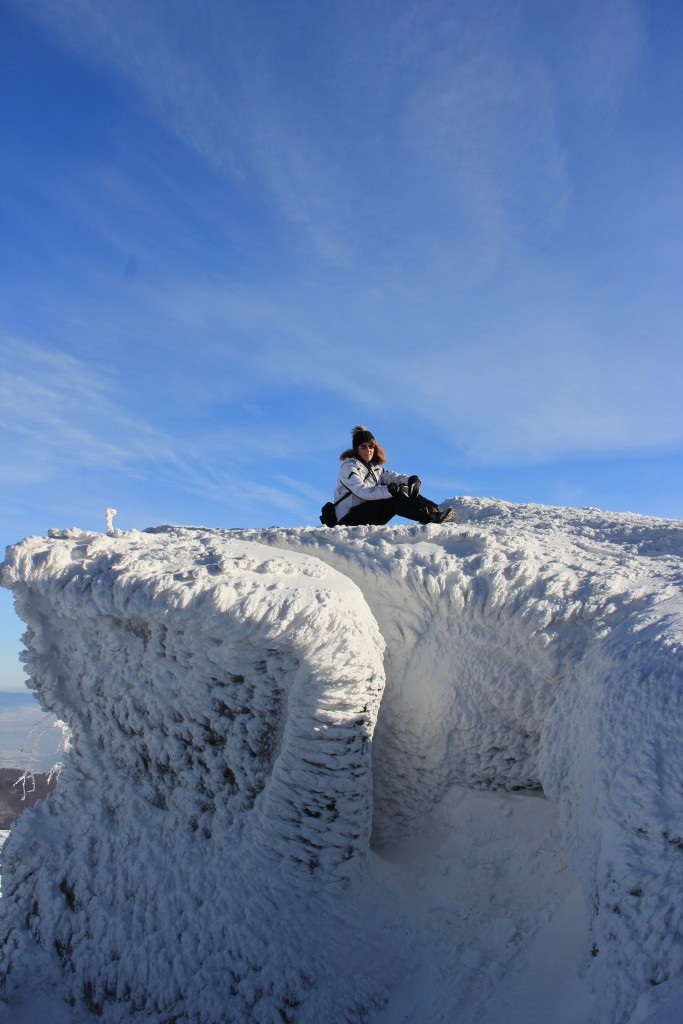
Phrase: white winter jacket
(358, 482)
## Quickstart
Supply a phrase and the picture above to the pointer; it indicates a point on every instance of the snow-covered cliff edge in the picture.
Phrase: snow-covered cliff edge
(207, 855)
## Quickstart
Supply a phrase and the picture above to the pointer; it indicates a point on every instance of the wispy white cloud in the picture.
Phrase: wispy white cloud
(599, 55)
(54, 410)
(207, 73)
(343, 121)
(551, 389)
(425, 153)
(433, 128)
(61, 418)
(482, 134)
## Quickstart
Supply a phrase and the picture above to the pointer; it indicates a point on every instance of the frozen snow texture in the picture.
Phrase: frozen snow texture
(218, 778)
(222, 697)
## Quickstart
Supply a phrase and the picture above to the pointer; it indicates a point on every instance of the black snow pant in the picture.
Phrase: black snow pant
(377, 513)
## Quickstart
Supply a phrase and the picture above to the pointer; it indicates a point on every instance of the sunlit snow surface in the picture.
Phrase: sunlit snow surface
(208, 855)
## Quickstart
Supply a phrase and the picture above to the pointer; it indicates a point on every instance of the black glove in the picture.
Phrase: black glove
(414, 483)
(397, 490)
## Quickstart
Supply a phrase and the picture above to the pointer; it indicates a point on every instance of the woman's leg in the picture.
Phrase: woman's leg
(419, 509)
(370, 513)
(378, 513)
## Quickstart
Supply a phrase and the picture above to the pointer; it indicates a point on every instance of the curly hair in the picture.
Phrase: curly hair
(378, 458)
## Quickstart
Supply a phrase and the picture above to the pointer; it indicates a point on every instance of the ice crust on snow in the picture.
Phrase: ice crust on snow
(208, 852)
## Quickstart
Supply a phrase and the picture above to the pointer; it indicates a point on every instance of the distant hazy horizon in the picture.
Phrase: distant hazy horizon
(28, 737)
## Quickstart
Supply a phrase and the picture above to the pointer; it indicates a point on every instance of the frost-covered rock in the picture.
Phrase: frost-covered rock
(532, 646)
(222, 688)
(215, 803)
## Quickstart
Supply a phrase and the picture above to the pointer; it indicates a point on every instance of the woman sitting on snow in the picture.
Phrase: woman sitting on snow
(368, 494)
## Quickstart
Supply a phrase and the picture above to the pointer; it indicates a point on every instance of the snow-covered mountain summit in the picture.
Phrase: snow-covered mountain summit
(256, 715)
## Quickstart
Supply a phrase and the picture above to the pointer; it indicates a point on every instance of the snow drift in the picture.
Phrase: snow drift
(207, 855)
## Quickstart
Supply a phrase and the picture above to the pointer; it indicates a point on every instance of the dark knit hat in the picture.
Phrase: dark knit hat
(361, 435)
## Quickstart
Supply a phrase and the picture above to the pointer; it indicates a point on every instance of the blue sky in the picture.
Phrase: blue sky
(231, 231)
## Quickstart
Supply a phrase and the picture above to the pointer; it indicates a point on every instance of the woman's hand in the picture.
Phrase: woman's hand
(397, 490)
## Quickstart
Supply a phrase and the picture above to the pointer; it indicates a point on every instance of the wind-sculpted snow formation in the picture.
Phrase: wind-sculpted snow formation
(218, 779)
(207, 854)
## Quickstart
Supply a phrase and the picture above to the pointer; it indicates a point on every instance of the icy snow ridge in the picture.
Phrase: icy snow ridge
(222, 698)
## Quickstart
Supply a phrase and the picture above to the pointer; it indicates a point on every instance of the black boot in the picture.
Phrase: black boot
(446, 515)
